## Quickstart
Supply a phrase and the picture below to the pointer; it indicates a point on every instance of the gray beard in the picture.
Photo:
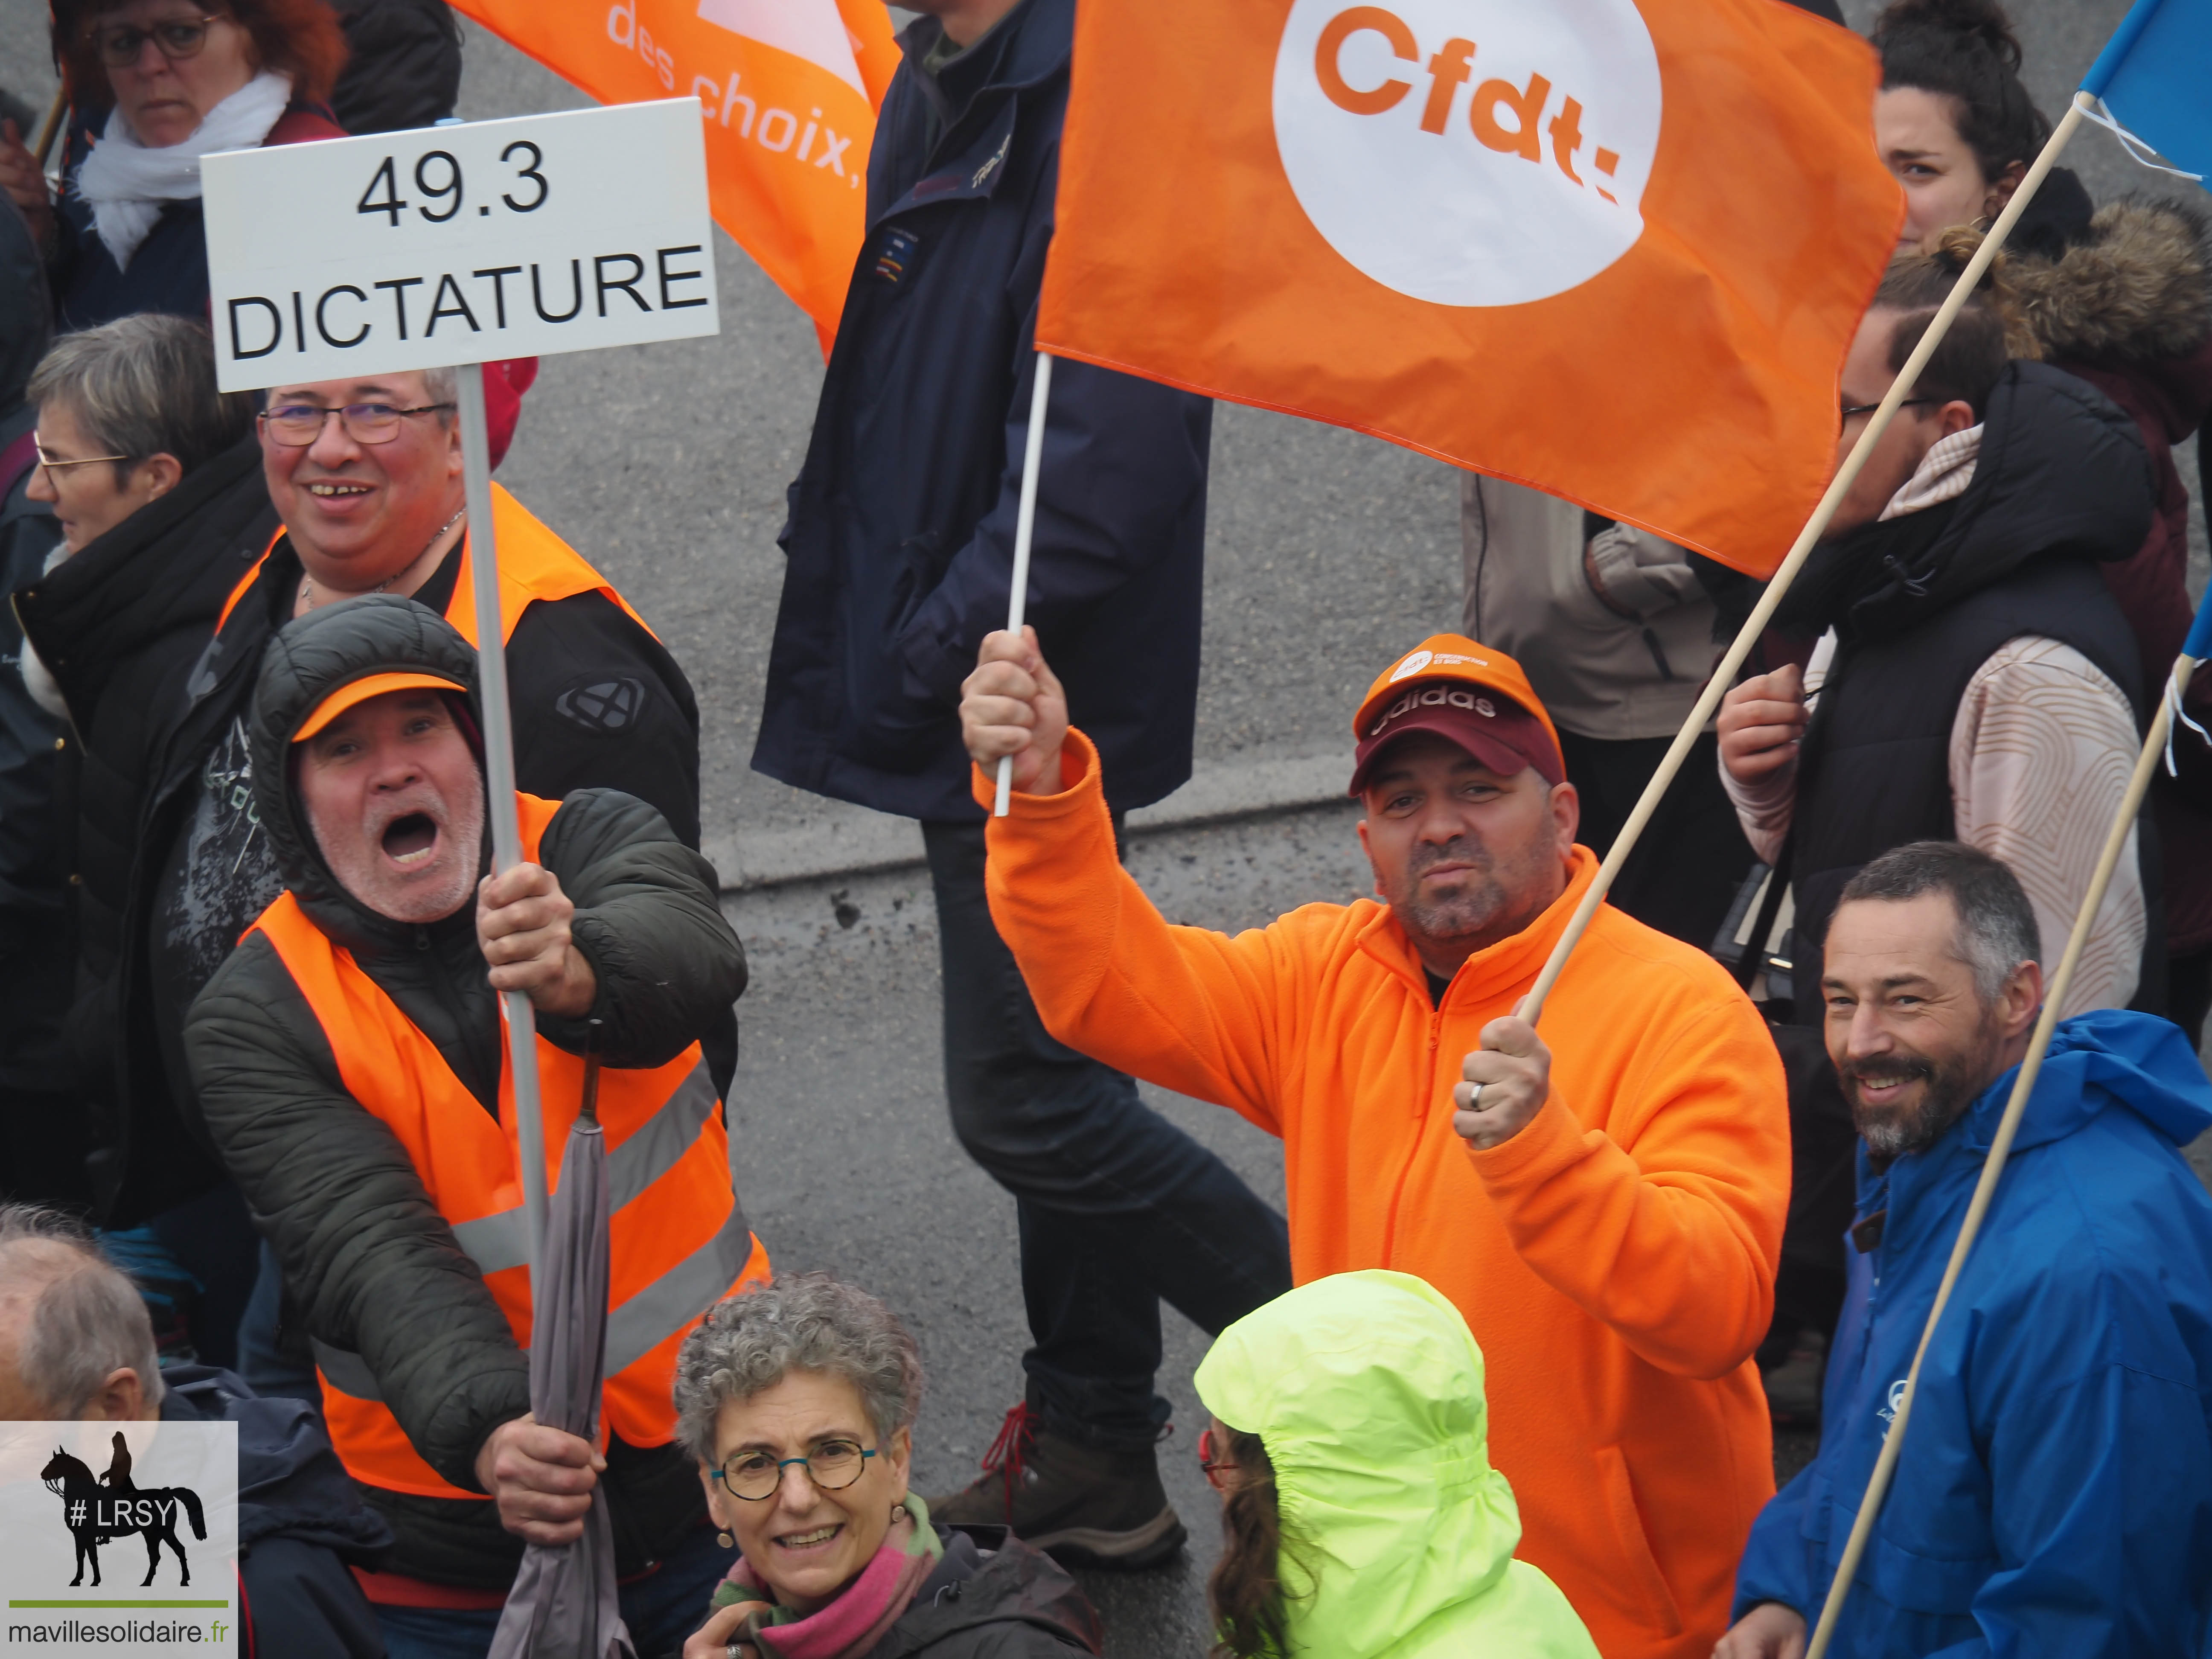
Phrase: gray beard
(1952, 1087)
(361, 870)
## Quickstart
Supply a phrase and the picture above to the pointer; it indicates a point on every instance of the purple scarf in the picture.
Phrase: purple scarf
(852, 1625)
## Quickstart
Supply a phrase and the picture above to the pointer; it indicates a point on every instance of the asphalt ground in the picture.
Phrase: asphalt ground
(1328, 554)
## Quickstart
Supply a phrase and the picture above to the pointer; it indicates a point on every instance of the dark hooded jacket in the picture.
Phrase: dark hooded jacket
(119, 626)
(993, 1597)
(900, 540)
(302, 1523)
(2123, 299)
(1919, 603)
(368, 1261)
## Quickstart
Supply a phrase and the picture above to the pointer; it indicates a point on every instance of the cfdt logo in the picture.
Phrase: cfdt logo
(1470, 152)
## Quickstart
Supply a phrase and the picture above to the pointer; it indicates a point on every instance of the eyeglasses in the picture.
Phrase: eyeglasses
(52, 466)
(297, 425)
(1208, 1463)
(173, 37)
(833, 1466)
(1850, 409)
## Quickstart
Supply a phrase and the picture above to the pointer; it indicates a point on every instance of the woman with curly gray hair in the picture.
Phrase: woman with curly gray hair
(799, 1399)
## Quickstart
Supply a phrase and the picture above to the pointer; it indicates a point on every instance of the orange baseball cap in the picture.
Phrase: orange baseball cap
(360, 690)
(1470, 694)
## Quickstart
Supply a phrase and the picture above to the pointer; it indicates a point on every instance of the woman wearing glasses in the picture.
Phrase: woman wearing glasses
(155, 85)
(798, 1401)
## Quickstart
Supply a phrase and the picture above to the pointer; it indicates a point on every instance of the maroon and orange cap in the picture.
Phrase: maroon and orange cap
(1466, 693)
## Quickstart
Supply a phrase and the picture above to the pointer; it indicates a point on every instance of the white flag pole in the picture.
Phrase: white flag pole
(499, 782)
(1018, 593)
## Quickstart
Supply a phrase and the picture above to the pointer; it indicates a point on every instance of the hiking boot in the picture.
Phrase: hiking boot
(1793, 1388)
(1089, 1506)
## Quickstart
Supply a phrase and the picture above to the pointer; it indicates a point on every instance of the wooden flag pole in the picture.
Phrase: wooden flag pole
(1723, 675)
(1017, 593)
(42, 144)
(499, 783)
(2038, 1044)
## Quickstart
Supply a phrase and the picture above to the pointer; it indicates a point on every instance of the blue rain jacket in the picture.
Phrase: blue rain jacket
(2054, 1495)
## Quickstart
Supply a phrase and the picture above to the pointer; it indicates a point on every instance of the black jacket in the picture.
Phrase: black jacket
(1919, 603)
(993, 1597)
(301, 1524)
(119, 626)
(200, 870)
(35, 939)
(368, 1262)
(900, 541)
(402, 64)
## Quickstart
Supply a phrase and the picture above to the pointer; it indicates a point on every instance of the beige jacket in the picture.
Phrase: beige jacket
(1618, 645)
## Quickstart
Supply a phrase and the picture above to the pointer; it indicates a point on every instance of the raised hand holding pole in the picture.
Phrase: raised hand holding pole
(1723, 675)
(499, 783)
(1017, 593)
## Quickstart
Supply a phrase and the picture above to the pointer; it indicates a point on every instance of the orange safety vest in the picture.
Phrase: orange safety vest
(534, 564)
(678, 1242)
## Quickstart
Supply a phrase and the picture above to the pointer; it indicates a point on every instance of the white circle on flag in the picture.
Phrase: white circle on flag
(1470, 152)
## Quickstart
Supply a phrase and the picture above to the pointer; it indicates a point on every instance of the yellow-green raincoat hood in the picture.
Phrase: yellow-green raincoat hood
(1367, 1390)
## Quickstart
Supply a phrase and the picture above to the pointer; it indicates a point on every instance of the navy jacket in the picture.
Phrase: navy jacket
(2054, 1492)
(900, 541)
(302, 1523)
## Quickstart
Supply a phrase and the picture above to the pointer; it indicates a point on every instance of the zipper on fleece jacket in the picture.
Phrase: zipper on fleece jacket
(1421, 1106)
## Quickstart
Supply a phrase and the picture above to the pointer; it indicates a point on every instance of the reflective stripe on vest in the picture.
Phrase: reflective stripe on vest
(679, 1241)
(534, 563)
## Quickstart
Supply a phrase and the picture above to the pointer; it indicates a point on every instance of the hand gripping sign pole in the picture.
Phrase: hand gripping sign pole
(1723, 675)
(499, 783)
(1017, 593)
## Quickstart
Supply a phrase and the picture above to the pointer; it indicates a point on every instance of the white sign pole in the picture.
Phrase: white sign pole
(1017, 593)
(499, 782)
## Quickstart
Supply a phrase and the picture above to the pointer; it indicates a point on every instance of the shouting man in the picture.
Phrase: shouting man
(2054, 1494)
(1603, 1203)
(350, 1060)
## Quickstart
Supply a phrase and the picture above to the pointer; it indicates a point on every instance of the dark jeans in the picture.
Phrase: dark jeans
(661, 1609)
(273, 1355)
(1118, 1208)
(1691, 856)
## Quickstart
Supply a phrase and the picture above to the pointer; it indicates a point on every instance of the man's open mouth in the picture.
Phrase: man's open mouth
(410, 840)
(330, 490)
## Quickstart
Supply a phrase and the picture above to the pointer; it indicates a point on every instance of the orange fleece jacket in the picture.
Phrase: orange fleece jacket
(1615, 1259)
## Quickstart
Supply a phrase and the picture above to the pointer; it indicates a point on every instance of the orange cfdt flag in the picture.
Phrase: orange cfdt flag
(1615, 249)
(787, 90)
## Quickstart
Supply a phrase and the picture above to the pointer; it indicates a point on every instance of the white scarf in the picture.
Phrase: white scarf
(125, 184)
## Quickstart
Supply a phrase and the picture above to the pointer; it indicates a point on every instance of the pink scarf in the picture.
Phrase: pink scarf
(858, 1618)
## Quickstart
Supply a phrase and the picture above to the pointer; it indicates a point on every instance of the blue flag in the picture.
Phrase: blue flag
(2155, 76)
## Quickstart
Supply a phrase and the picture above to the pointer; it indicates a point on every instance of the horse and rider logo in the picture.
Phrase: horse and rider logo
(99, 1511)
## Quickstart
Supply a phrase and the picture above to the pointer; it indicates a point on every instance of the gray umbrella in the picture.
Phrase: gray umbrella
(564, 1604)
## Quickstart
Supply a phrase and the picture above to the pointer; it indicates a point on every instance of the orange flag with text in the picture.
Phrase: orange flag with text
(1615, 249)
(788, 89)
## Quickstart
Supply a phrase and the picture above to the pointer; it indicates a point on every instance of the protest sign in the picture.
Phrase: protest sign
(118, 1537)
(455, 244)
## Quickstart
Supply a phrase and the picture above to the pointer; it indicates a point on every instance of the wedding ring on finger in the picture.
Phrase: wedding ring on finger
(1473, 1097)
